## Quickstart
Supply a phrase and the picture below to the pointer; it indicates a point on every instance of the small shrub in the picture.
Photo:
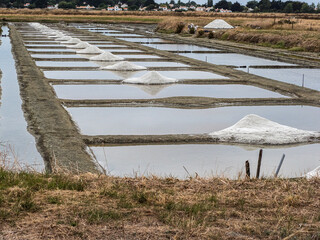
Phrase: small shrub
(200, 33)
(180, 27)
(210, 35)
(192, 30)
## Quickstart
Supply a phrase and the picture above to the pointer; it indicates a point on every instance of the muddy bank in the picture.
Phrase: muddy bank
(57, 137)
(129, 140)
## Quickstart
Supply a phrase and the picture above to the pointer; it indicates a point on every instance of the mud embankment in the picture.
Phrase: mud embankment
(58, 140)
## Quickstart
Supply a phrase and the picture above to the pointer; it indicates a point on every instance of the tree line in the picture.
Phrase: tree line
(252, 5)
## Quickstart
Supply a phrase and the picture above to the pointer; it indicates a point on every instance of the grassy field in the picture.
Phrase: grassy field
(296, 32)
(281, 32)
(60, 206)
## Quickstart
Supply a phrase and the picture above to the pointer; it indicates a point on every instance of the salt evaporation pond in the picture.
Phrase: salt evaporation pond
(39, 55)
(179, 47)
(66, 64)
(143, 40)
(67, 50)
(161, 64)
(123, 50)
(294, 76)
(155, 120)
(138, 56)
(123, 34)
(103, 74)
(205, 160)
(232, 59)
(129, 91)
(14, 137)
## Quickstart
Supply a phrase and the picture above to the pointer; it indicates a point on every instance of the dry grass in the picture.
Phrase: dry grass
(58, 206)
(276, 33)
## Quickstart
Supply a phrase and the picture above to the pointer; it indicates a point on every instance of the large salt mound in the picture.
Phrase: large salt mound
(253, 129)
(151, 78)
(124, 66)
(314, 173)
(81, 45)
(107, 57)
(218, 24)
(74, 40)
(91, 50)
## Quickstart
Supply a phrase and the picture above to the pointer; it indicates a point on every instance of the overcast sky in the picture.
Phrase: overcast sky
(240, 1)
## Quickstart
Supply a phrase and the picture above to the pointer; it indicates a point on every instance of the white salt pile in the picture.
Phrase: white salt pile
(253, 129)
(313, 174)
(124, 66)
(91, 50)
(218, 24)
(65, 38)
(107, 57)
(73, 40)
(151, 78)
(152, 90)
(80, 45)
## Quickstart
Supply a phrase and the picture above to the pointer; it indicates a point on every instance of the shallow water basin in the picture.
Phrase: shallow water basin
(309, 78)
(66, 64)
(232, 59)
(205, 160)
(144, 40)
(133, 91)
(103, 74)
(156, 120)
(179, 47)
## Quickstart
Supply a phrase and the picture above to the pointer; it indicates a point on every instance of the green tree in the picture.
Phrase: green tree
(40, 3)
(264, 5)
(236, 7)
(252, 4)
(288, 8)
(210, 3)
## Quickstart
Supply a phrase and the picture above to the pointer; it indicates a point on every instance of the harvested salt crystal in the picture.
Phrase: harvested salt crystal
(151, 78)
(124, 66)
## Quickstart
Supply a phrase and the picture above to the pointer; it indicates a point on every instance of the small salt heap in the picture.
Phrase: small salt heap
(313, 174)
(151, 78)
(107, 57)
(124, 66)
(253, 129)
(65, 38)
(91, 50)
(80, 45)
(73, 40)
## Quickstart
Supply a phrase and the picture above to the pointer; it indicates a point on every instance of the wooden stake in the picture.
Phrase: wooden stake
(280, 164)
(247, 169)
(259, 163)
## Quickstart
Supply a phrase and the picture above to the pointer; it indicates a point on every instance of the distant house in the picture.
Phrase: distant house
(163, 8)
(110, 8)
(171, 5)
(183, 8)
(200, 9)
(52, 6)
(223, 10)
(142, 8)
(26, 5)
(88, 7)
(124, 6)
(192, 7)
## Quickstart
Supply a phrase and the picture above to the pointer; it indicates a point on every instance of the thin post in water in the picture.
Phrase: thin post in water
(302, 80)
(259, 163)
(280, 164)
(247, 169)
